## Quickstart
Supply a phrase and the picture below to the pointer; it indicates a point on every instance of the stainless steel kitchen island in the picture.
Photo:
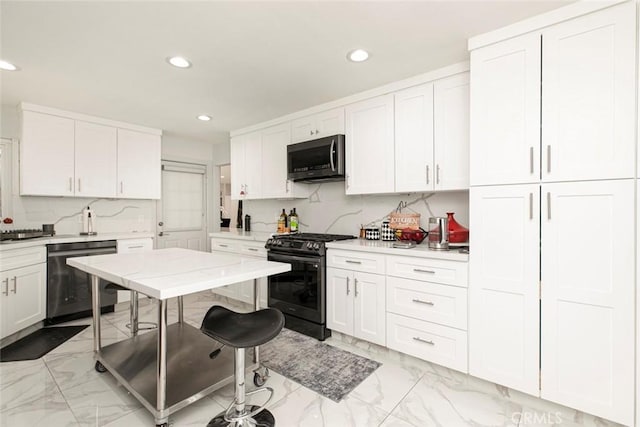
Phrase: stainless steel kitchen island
(169, 368)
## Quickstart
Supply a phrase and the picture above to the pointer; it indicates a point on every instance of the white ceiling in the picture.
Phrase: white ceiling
(252, 61)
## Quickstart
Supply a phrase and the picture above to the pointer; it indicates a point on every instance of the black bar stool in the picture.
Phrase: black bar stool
(240, 331)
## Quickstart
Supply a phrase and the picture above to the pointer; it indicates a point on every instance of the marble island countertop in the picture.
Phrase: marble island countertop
(69, 238)
(383, 247)
(172, 272)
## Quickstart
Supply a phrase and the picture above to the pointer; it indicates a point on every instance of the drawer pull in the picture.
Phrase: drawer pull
(253, 249)
(419, 301)
(419, 270)
(135, 247)
(355, 286)
(15, 284)
(424, 341)
(6, 289)
(352, 262)
(223, 246)
(347, 286)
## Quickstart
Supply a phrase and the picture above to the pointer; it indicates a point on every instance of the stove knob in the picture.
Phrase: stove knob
(269, 241)
(309, 245)
(316, 246)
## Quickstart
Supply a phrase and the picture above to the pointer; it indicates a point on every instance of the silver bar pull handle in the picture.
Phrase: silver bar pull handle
(430, 342)
(530, 205)
(349, 261)
(419, 301)
(121, 187)
(347, 286)
(286, 186)
(70, 185)
(548, 159)
(531, 160)
(15, 284)
(331, 153)
(355, 287)
(223, 246)
(6, 287)
(79, 186)
(419, 270)
(253, 249)
(548, 205)
(437, 174)
(427, 174)
(135, 247)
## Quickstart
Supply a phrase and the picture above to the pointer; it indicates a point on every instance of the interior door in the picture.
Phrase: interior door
(181, 212)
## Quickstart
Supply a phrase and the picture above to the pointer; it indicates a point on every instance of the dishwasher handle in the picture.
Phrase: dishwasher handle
(81, 252)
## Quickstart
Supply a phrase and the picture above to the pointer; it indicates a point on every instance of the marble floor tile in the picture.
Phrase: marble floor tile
(48, 413)
(305, 408)
(393, 421)
(26, 383)
(437, 402)
(72, 369)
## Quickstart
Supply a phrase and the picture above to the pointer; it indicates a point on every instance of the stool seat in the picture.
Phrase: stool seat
(242, 330)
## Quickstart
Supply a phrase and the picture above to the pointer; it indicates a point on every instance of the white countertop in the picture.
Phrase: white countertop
(172, 272)
(240, 234)
(382, 247)
(70, 238)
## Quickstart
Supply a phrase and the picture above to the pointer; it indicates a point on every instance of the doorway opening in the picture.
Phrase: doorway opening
(228, 207)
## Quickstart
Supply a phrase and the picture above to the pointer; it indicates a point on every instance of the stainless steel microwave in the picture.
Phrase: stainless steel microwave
(317, 160)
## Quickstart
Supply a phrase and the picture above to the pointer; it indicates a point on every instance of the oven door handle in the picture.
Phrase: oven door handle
(289, 258)
(82, 252)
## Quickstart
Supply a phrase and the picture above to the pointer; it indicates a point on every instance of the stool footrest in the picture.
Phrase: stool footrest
(231, 416)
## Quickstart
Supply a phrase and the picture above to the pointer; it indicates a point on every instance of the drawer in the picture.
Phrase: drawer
(431, 270)
(356, 261)
(253, 249)
(16, 258)
(134, 245)
(442, 304)
(428, 341)
(223, 245)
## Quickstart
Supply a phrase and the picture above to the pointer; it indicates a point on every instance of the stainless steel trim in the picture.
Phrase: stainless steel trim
(348, 261)
(424, 341)
(530, 205)
(422, 302)
(15, 284)
(161, 363)
(6, 288)
(347, 286)
(419, 270)
(531, 160)
(331, 152)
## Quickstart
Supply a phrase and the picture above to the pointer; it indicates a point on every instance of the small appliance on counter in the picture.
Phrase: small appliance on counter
(438, 233)
(88, 222)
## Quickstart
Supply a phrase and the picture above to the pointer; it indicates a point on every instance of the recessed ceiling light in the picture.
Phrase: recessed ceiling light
(8, 66)
(178, 61)
(204, 117)
(358, 55)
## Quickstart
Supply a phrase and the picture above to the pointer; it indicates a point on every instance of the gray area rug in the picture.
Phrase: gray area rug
(325, 369)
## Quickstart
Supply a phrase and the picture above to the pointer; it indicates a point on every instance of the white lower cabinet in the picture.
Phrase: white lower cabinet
(552, 277)
(22, 289)
(243, 291)
(356, 304)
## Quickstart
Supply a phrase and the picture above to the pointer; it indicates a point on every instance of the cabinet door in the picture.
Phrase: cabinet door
(588, 297)
(369, 308)
(369, 148)
(451, 132)
(330, 122)
(139, 173)
(340, 300)
(303, 129)
(46, 155)
(504, 320)
(95, 160)
(588, 96)
(253, 163)
(274, 161)
(505, 112)
(414, 169)
(25, 303)
(237, 166)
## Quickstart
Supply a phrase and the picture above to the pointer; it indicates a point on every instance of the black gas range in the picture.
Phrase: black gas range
(301, 293)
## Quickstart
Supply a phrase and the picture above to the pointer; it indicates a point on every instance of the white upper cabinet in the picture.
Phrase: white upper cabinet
(369, 144)
(588, 96)
(47, 155)
(451, 132)
(414, 165)
(319, 125)
(70, 154)
(139, 170)
(95, 160)
(504, 267)
(505, 112)
(246, 166)
(588, 296)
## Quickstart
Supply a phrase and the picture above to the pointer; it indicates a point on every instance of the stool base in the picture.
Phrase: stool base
(263, 418)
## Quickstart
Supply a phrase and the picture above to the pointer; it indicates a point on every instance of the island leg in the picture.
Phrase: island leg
(161, 365)
(95, 301)
(180, 310)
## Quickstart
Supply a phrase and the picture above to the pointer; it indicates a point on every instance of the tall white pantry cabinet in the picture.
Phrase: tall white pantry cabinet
(552, 210)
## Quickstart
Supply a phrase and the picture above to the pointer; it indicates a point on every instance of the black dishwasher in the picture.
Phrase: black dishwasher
(69, 289)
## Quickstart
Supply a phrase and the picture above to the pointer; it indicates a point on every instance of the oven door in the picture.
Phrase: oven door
(300, 292)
